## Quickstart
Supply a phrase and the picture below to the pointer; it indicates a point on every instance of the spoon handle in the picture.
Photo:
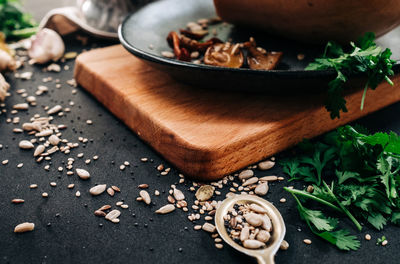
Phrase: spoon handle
(266, 259)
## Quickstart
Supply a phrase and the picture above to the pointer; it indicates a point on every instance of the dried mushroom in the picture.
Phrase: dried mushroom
(180, 52)
(224, 55)
(194, 45)
(258, 59)
(197, 34)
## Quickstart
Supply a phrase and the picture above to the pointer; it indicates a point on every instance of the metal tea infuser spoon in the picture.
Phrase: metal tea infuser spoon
(263, 255)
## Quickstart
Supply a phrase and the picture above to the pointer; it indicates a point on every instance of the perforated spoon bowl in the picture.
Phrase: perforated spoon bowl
(263, 255)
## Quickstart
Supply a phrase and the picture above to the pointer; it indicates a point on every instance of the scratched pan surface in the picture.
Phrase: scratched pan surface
(149, 26)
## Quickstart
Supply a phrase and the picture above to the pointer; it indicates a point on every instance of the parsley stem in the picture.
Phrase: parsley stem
(344, 209)
(363, 96)
(312, 197)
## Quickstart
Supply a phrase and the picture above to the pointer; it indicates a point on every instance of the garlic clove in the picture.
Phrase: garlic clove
(46, 46)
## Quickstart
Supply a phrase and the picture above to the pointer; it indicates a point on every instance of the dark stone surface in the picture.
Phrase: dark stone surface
(77, 236)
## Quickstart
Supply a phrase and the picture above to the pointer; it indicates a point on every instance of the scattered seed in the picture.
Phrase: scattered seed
(25, 144)
(282, 200)
(385, 242)
(71, 186)
(53, 184)
(246, 174)
(33, 186)
(39, 150)
(368, 237)
(197, 227)
(119, 203)
(307, 241)
(98, 189)
(99, 213)
(115, 188)
(54, 109)
(266, 165)
(262, 189)
(145, 196)
(208, 227)
(54, 140)
(24, 227)
(17, 201)
(83, 174)
(178, 195)
(284, 245)
(124, 206)
(143, 186)
(219, 245)
(114, 214)
(110, 191)
(104, 207)
(78, 194)
(166, 209)
(45, 195)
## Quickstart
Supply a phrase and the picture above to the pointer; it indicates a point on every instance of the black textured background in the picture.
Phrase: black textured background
(75, 235)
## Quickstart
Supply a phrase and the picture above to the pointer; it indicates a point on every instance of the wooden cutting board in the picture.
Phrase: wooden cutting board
(208, 134)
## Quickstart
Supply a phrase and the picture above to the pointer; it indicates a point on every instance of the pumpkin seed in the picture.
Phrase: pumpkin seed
(204, 193)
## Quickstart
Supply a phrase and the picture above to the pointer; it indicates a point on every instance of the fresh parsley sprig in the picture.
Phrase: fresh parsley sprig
(14, 22)
(364, 57)
(364, 174)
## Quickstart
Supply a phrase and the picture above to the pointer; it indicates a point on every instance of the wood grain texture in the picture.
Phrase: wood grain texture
(208, 134)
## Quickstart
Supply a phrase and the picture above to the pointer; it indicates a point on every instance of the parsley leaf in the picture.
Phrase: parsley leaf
(364, 57)
(363, 187)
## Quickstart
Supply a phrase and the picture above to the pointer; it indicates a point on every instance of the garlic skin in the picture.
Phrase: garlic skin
(6, 61)
(46, 46)
(4, 86)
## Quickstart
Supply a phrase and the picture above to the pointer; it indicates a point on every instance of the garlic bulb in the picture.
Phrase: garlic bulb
(46, 46)
(4, 86)
(6, 61)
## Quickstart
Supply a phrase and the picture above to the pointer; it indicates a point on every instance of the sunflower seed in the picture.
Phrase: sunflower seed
(284, 245)
(24, 227)
(262, 189)
(167, 54)
(219, 245)
(104, 207)
(98, 189)
(368, 237)
(269, 178)
(78, 194)
(70, 186)
(254, 219)
(197, 227)
(266, 165)
(143, 186)
(166, 209)
(54, 140)
(252, 244)
(83, 174)
(178, 195)
(244, 233)
(208, 227)
(250, 181)
(307, 241)
(25, 144)
(17, 201)
(110, 191)
(114, 214)
(124, 206)
(115, 188)
(54, 109)
(23, 106)
(263, 236)
(39, 150)
(246, 174)
(145, 196)
(33, 186)
(99, 213)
